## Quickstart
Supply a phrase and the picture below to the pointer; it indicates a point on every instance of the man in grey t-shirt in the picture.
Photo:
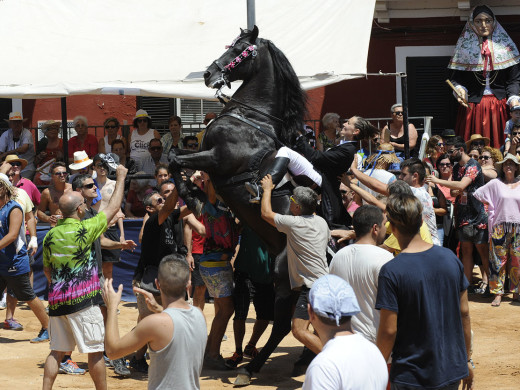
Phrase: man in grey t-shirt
(307, 238)
(176, 336)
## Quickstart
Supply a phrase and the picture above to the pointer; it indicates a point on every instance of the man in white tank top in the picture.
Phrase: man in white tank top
(176, 336)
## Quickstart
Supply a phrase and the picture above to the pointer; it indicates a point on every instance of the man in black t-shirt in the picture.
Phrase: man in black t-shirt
(162, 236)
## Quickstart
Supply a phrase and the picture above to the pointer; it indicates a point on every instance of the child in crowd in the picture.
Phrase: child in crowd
(511, 129)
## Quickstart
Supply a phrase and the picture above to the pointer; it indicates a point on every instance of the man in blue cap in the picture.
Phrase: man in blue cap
(347, 360)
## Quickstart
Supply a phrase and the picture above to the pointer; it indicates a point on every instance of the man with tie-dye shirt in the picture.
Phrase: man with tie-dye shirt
(74, 291)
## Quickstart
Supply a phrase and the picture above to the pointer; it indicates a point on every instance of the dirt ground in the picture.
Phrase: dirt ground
(496, 345)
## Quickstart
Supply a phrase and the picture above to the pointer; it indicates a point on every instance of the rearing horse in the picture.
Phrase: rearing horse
(266, 112)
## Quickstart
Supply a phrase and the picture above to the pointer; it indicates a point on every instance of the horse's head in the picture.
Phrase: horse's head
(235, 63)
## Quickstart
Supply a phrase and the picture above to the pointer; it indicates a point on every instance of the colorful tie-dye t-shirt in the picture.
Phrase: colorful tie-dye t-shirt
(67, 252)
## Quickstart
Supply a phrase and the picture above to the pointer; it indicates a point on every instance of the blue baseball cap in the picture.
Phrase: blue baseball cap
(332, 297)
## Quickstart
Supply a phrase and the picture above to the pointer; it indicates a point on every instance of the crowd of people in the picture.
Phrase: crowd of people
(402, 236)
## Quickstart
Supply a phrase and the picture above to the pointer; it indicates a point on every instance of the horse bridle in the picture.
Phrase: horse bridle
(249, 51)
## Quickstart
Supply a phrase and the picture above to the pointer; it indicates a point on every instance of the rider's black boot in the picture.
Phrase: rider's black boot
(277, 172)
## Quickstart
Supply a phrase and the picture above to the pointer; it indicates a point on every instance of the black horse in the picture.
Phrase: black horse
(266, 112)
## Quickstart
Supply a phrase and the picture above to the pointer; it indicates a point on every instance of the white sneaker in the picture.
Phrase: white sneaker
(3, 305)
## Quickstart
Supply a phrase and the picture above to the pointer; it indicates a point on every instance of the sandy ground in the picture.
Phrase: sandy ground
(496, 345)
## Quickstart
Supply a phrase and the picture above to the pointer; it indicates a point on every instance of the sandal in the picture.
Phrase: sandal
(481, 288)
(497, 301)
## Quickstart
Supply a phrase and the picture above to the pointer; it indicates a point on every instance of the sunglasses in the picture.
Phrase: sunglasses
(485, 157)
(192, 145)
(156, 148)
(16, 164)
(444, 165)
(60, 173)
(518, 151)
(343, 192)
(478, 143)
(141, 120)
(398, 113)
(100, 166)
(294, 200)
(515, 133)
(440, 144)
(89, 186)
(111, 127)
(451, 151)
(160, 200)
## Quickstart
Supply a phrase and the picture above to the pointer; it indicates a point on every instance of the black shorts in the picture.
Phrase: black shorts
(470, 233)
(196, 279)
(261, 293)
(300, 301)
(111, 255)
(20, 285)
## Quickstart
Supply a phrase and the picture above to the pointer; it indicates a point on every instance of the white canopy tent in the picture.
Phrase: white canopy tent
(59, 48)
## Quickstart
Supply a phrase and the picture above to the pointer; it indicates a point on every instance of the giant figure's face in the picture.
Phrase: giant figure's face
(484, 24)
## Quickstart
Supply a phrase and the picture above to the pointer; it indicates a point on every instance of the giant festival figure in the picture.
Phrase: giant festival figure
(486, 76)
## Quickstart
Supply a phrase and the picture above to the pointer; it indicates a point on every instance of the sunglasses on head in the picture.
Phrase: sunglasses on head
(89, 186)
(294, 200)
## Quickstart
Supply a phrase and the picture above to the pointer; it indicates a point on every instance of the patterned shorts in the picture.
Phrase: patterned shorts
(218, 280)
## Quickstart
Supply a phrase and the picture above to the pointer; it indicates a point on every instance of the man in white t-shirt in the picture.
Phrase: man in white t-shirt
(348, 360)
(307, 238)
(359, 264)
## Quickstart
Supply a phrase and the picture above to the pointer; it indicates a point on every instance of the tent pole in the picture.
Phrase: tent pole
(251, 14)
(65, 133)
(404, 89)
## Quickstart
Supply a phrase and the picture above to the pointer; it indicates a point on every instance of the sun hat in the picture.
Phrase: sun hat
(5, 179)
(332, 297)
(383, 157)
(14, 158)
(50, 123)
(476, 137)
(509, 156)
(15, 116)
(141, 114)
(81, 160)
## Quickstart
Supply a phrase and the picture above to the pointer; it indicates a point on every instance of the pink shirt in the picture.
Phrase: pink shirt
(29, 187)
(503, 201)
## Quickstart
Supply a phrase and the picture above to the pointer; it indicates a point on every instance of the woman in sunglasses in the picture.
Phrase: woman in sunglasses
(434, 148)
(141, 136)
(487, 159)
(394, 131)
(111, 126)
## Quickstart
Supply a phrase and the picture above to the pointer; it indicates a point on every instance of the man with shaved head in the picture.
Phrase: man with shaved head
(75, 291)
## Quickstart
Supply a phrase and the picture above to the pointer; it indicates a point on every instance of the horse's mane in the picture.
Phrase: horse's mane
(294, 97)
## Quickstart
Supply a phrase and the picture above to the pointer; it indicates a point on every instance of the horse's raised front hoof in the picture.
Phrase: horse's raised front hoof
(243, 379)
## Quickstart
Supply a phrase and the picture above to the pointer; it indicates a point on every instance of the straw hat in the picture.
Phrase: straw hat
(476, 137)
(15, 116)
(50, 123)
(383, 157)
(81, 160)
(14, 158)
(509, 156)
